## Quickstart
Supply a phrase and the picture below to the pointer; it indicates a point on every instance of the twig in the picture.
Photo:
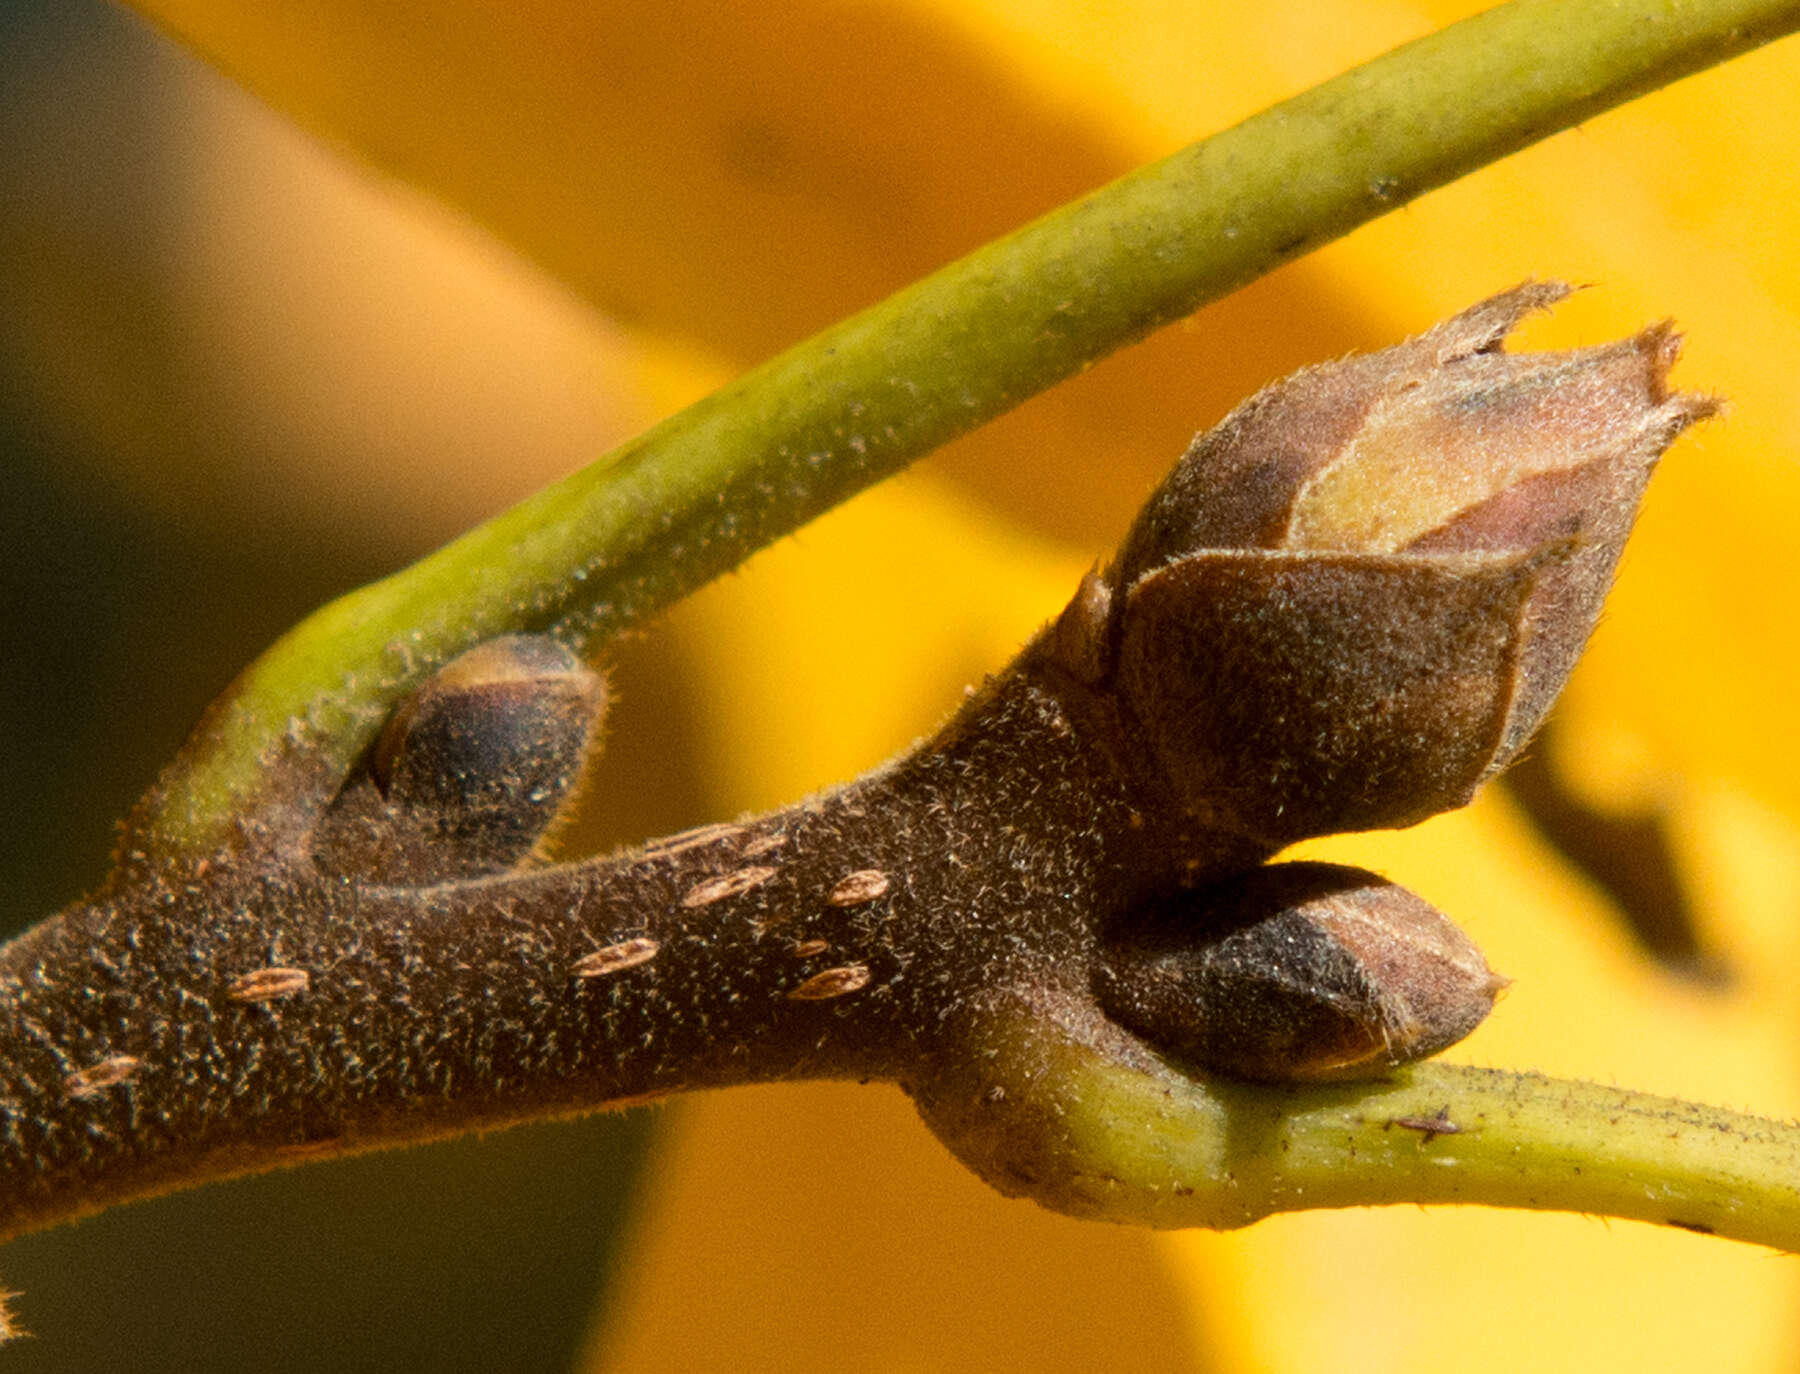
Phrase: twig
(1052, 924)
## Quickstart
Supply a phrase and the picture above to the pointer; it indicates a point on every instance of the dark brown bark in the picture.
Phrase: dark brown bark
(258, 1015)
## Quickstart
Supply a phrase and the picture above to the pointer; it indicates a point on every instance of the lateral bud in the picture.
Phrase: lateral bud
(472, 769)
(1297, 972)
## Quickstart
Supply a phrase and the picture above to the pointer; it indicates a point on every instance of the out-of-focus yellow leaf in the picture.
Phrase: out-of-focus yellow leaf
(737, 176)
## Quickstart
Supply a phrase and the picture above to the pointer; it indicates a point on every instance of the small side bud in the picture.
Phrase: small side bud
(486, 753)
(1298, 971)
(1354, 600)
(472, 769)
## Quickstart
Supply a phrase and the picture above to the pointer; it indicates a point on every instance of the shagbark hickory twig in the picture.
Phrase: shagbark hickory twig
(1348, 606)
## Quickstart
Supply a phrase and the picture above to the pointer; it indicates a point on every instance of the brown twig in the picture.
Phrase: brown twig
(1350, 604)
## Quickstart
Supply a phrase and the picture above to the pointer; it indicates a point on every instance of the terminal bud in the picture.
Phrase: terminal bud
(1354, 600)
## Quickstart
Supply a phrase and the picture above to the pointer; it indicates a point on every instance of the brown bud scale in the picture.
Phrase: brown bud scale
(1298, 971)
(1354, 600)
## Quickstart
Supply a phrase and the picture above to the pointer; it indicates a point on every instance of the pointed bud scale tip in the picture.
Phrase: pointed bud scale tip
(1355, 599)
(1374, 452)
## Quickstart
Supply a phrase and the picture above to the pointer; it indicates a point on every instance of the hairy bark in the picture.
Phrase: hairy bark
(263, 1014)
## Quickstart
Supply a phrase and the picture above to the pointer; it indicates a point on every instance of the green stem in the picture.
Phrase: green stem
(700, 492)
(1158, 1150)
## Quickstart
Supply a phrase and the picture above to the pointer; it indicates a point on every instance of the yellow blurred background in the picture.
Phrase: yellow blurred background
(275, 362)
